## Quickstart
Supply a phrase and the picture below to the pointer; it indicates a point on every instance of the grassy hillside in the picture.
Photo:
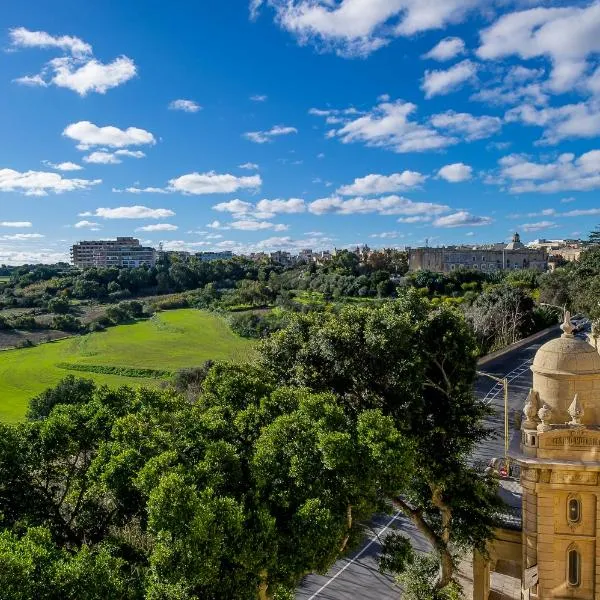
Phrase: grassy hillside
(167, 342)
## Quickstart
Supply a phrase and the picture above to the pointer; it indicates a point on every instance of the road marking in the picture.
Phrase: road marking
(387, 526)
(514, 374)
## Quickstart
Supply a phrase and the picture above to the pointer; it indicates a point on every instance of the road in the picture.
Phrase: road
(357, 576)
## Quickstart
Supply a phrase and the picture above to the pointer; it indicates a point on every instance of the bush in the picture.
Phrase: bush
(59, 305)
(66, 323)
(255, 325)
(190, 380)
(26, 322)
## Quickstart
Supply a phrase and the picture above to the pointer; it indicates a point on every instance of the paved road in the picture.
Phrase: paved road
(357, 577)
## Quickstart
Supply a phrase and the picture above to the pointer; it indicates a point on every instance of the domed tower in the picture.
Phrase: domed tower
(560, 466)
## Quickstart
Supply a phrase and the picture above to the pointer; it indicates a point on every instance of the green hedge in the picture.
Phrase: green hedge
(123, 371)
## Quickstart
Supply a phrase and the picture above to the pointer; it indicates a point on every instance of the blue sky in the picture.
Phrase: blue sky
(296, 123)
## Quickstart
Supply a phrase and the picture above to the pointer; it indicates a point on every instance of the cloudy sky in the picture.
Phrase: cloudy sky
(296, 123)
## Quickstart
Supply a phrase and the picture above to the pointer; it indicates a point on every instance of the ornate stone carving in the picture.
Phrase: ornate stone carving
(545, 414)
(529, 475)
(530, 410)
(578, 477)
(576, 412)
(567, 326)
(545, 475)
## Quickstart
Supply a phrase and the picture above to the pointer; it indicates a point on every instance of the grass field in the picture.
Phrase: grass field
(168, 341)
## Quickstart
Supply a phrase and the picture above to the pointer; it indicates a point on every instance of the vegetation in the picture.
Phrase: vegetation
(167, 342)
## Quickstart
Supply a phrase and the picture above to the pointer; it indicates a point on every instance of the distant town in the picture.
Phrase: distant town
(541, 254)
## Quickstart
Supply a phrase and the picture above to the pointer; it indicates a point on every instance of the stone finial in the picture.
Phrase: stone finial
(567, 326)
(530, 410)
(576, 412)
(545, 414)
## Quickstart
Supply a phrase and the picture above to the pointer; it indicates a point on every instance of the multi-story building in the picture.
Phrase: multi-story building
(122, 252)
(488, 259)
(282, 257)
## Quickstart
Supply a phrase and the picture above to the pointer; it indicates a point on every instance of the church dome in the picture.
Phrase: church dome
(567, 355)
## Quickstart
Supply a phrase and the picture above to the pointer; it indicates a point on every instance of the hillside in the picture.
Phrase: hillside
(166, 342)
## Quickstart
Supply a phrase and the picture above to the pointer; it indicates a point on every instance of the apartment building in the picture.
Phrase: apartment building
(122, 252)
(495, 258)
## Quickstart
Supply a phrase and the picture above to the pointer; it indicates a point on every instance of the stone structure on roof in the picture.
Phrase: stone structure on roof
(558, 451)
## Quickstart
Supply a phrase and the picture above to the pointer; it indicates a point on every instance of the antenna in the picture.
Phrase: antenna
(426, 242)
(160, 247)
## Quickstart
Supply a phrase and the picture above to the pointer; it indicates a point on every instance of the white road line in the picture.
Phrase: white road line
(387, 526)
(514, 374)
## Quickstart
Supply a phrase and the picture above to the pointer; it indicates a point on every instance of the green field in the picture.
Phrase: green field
(167, 342)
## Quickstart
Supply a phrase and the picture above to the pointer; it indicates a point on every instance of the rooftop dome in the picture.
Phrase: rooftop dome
(567, 354)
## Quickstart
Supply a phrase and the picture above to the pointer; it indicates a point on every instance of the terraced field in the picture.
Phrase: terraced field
(138, 354)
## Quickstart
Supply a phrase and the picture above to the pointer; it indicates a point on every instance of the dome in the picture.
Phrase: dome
(567, 355)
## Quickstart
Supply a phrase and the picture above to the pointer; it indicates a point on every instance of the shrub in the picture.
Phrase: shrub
(66, 323)
(59, 305)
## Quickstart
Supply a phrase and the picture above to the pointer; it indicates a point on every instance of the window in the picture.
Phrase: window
(574, 564)
(574, 510)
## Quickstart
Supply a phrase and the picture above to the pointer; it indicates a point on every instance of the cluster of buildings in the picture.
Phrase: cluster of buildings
(128, 252)
(541, 255)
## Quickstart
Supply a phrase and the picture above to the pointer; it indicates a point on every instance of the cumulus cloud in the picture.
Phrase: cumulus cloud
(391, 125)
(252, 225)
(78, 71)
(88, 135)
(359, 27)
(63, 166)
(158, 227)
(189, 106)
(22, 237)
(259, 98)
(137, 190)
(41, 183)
(383, 184)
(469, 126)
(446, 49)
(263, 137)
(249, 166)
(101, 158)
(566, 173)
(16, 224)
(278, 206)
(131, 212)
(456, 172)
(440, 82)
(461, 218)
(213, 183)
(568, 36)
(234, 206)
(539, 226)
(87, 225)
(385, 235)
(386, 205)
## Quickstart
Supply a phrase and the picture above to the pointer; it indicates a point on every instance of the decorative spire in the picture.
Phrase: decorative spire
(545, 414)
(576, 412)
(530, 410)
(567, 326)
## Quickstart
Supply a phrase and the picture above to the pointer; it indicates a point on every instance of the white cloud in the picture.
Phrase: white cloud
(249, 166)
(87, 135)
(461, 219)
(386, 235)
(40, 183)
(101, 158)
(79, 71)
(456, 172)
(217, 225)
(213, 183)
(589, 212)
(131, 153)
(86, 225)
(566, 173)
(568, 36)
(439, 83)
(137, 190)
(22, 237)
(259, 98)
(567, 200)
(158, 227)
(252, 225)
(9, 256)
(580, 120)
(131, 212)
(189, 106)
(234, 207)
(386, 205)
(63, 166)
(16, 224)
(389, 125)
(359, 27)
(416, 219)
(262, 137)
(539, 226)
(518, 84)
(278, 206)
(20, 37)
(465, 124)
(446, 49)
(383, 184)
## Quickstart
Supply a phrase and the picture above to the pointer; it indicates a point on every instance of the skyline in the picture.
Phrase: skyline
(287, 125)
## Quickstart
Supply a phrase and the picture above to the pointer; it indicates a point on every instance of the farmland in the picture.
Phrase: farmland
(146, 349)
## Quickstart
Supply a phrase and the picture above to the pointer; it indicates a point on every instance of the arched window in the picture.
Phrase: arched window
(574, 567)
(573, 510)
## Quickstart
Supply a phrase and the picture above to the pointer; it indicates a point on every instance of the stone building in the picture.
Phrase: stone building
(121, 252)
(445, 260)
(558, 451)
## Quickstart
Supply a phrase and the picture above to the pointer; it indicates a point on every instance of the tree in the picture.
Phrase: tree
(405, 375)
(595, 236)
